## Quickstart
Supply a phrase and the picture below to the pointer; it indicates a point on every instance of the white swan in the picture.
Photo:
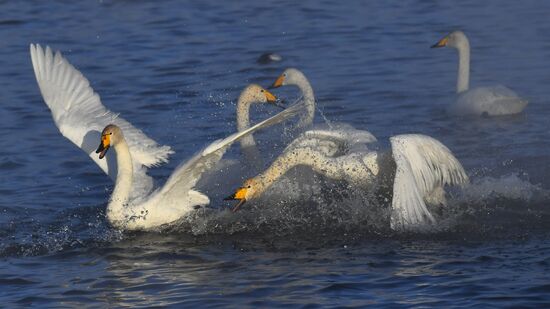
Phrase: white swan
(491, 101)
(246, 99)
(80, 116)
(292, 76)
(419, 166)
(330, 139)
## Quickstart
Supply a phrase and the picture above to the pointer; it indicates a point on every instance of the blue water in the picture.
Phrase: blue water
(174, 69)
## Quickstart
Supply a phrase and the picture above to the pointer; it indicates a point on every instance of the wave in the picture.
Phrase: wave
(507, 206)
(304, 210)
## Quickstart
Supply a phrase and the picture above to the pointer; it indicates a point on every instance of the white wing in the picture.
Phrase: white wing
(80, 116)
(423, 164)
(185, 177)
(344, 133)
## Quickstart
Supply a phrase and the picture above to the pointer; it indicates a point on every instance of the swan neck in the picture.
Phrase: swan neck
(243, 119)
(463, 66)
(123, 185)
(291, 158)
(278, 168)
(309, 100)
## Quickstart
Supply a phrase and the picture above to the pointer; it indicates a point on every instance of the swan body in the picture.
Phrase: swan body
(78, 113)
(421, 166)
(491, 101)
(337, 140)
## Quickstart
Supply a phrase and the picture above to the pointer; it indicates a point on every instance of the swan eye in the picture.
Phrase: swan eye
(262, 90)
(284, 74)
(249, 187)
(111, 133)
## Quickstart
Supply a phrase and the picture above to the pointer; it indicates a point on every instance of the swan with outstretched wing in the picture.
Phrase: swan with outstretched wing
(82, 118)
(421, 166)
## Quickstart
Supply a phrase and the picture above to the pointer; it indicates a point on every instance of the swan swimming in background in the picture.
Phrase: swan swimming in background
(491, 101)
(81, 117)
(418, 165)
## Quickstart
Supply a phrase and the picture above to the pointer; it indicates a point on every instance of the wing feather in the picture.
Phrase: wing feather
(185, 177)
(422, 165)
(79, 114)
(336, 140)
(345, 134)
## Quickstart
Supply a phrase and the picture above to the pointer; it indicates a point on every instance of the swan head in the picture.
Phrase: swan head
(110, 136)
(290, 76)
(454, 39)
(248, 191)
(256, 93)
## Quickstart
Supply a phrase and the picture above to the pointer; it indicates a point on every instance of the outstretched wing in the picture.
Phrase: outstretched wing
(422, 165)
(80, 116)
(185, 177)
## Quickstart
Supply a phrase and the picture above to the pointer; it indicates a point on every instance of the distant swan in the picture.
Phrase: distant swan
(491, 101)
(81, 117)
(419, 165)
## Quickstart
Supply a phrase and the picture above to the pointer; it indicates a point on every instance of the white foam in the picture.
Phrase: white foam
(508, 187)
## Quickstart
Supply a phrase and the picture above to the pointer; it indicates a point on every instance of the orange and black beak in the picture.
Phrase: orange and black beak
(278, 82)
(442, 43)
(239, 195)
(104, 145)
(270, 97)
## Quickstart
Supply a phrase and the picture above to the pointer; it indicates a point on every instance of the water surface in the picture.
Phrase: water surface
(174, 69)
